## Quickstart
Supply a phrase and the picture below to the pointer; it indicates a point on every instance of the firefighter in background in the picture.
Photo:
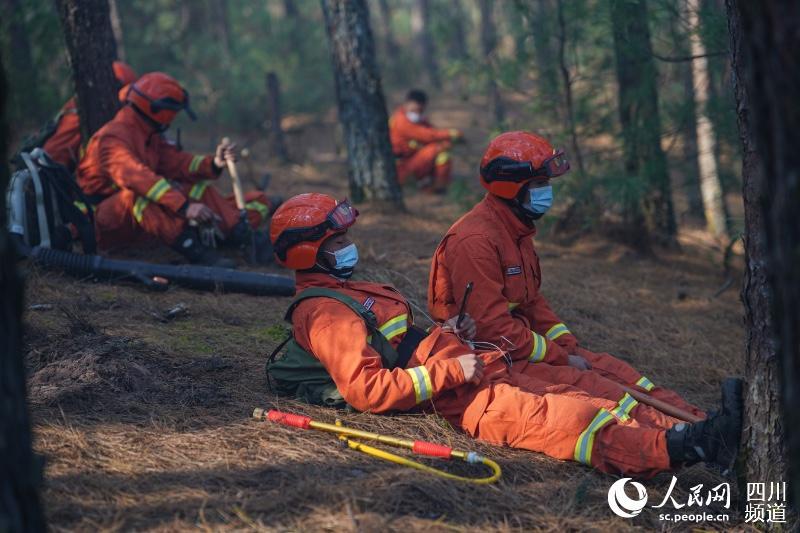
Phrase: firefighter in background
(492, 246)
(64, 145)
(144, 187)
(479, 393)
(421, 150)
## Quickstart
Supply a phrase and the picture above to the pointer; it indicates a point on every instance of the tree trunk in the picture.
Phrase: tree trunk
(91, 50)
(20, 470)
(362, 108)
(710, 188)
(277, 141)
(116, 27)
(764, 45)
(459, 49)
(651, 217)
(427, 47)
(540, 22)
(219, 12)
(389, 43)
(22, 69)
(567, 80)
(489, 43)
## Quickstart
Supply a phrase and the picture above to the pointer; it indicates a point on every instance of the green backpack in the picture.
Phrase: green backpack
(300, 375)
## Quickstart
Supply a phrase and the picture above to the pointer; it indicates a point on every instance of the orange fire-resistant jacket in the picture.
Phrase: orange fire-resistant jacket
(338, 338)
(407, 137)
(492, 248)
(127, 153)
(65, 143)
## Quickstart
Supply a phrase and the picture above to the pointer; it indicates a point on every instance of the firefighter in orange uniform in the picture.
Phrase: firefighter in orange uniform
(421, 150)
(492, 246)
(64, 145)
(143, 186)
(477, 392)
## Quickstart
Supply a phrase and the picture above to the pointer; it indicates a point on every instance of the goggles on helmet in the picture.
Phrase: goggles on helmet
(338, 219)
(168, 103)
(507, 169)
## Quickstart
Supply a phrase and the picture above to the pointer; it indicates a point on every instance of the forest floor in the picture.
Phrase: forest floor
(145, 423)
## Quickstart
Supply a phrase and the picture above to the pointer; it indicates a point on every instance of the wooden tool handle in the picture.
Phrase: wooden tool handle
(238, 193)
(662, 406)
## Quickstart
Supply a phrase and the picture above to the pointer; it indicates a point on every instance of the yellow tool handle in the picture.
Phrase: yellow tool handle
(237, 183)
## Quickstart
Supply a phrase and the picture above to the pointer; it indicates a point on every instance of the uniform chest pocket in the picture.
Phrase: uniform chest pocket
(515, 278)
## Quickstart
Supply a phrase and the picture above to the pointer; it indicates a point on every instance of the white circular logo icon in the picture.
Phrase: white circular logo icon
(621, 504)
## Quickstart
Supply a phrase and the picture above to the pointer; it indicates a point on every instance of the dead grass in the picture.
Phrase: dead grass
(145, 424)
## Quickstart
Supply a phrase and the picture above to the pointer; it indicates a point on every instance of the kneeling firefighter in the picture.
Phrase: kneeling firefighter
(355, 342)
(145, 187)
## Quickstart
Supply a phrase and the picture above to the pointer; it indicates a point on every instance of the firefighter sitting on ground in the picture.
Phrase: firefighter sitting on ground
(144, 186)
(420, 149)
(64, 143)
(363, 335)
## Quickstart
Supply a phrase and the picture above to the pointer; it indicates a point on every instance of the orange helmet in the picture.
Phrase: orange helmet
(515, 158)
(302, 223)
(124, 73)
(159, 97)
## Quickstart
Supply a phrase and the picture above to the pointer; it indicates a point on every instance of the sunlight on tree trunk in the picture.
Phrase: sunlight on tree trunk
(92, 50)
(767, 82)
(710, 188)
(362, 108)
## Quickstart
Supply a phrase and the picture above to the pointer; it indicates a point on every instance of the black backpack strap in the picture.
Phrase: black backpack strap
(389, 355)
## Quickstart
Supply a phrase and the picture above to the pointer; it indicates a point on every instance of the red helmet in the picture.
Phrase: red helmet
(515, 158)
(302, 223)
(124, 73)
(159, 97)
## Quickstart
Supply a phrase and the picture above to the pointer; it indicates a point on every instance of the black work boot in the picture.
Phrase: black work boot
(188, 244)
(715, 439)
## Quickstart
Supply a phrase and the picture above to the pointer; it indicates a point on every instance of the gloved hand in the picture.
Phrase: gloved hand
(200, 213)
(467, 330)
(576, 361)
(472, 366)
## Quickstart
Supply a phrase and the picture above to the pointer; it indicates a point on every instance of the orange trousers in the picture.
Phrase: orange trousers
(510, 407)
(431, 162)
(125, 217)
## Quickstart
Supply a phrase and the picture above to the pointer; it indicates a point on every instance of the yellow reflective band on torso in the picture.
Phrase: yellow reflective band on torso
(198, 190)
(583, 448)
(645, 383)
(423, 388)
(556, 331)
(158, 190)
(138, 208)
(195, 163)
(624, 407)
(260, 208)
(82, 207)
(539, 348)
(395, 326)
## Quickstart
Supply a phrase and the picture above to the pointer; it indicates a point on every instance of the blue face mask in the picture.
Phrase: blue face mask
(540, 199)
(345, 261)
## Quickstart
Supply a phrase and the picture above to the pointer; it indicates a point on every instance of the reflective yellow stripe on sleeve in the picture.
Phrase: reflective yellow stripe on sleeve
(556, 331)
(413, 144)
(624, 407)
(539, 348)
(195, 163)
(442, 158)
(158, 190)
(394, 327)
(198, 190)
(645, 383)
(512, 305)
(138, 208)
(258, 207)
(423, 388)
(583, 448)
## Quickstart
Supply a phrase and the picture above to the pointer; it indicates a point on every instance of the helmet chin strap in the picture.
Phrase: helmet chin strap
(525, 216)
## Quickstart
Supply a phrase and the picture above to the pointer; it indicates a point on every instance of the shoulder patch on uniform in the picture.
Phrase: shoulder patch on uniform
(368, 303)
(513, 270)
